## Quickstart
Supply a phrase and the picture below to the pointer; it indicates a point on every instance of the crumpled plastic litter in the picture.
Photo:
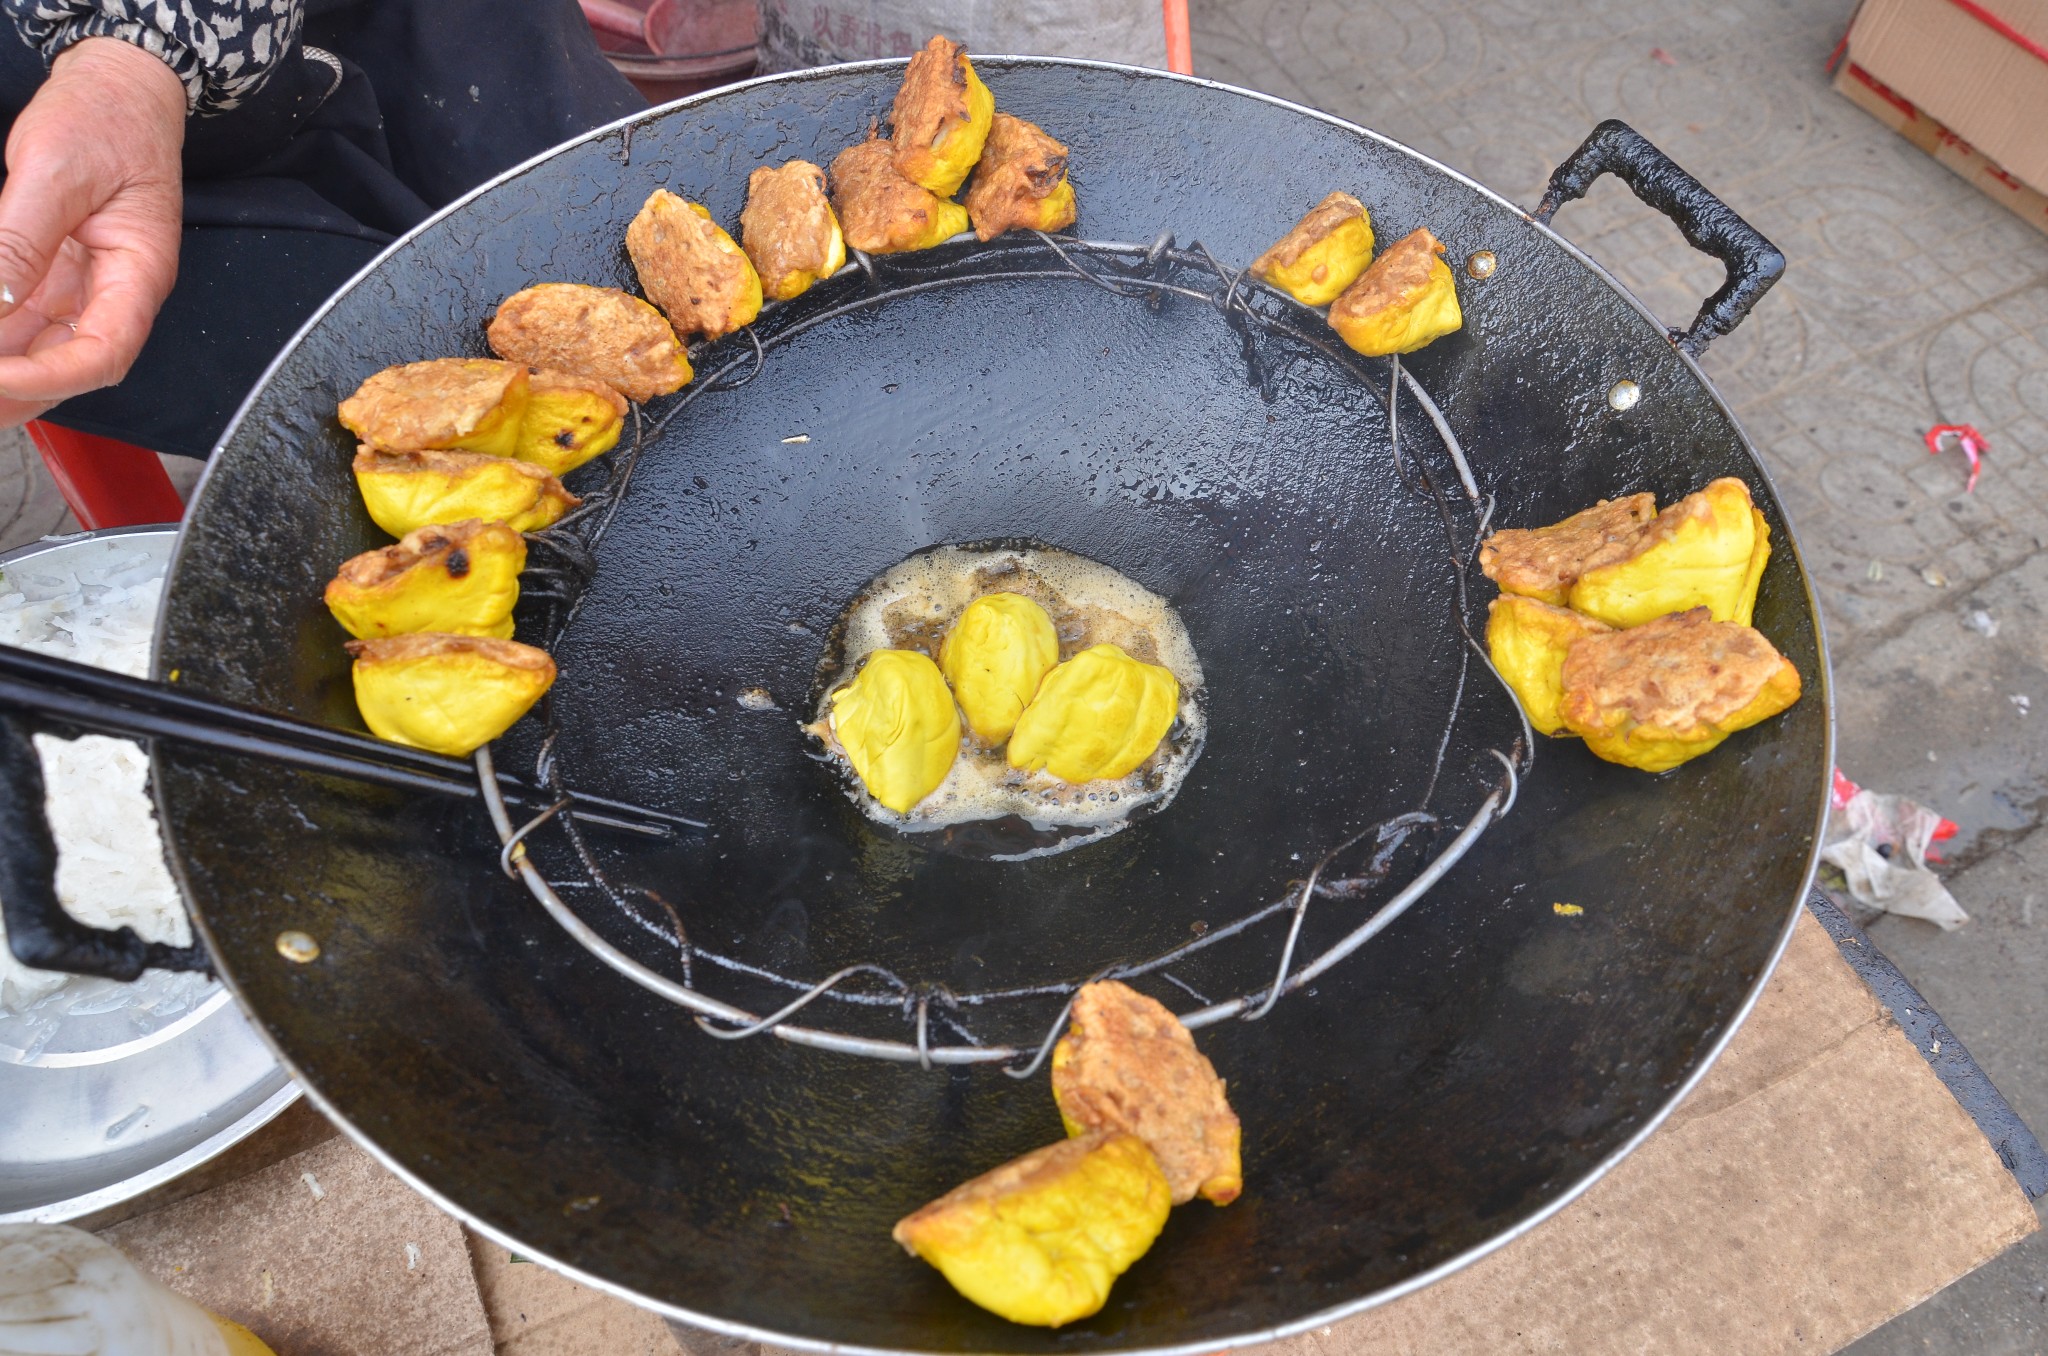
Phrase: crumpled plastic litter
(1967, 437)
(1882, 845)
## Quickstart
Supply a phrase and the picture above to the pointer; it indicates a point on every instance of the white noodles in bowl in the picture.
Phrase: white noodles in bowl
(110, 868)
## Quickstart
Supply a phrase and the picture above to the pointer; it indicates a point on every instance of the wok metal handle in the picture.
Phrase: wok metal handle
(39, 932)
(1709, 225)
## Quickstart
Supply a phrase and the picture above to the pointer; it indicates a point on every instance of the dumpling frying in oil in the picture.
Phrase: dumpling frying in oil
(995, 655)
(898, 726)
(1096, 717)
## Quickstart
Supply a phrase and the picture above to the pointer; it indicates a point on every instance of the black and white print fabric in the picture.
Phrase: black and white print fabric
(223, 50)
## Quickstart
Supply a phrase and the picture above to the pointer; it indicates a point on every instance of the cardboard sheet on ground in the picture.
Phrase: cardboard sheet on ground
(1817, 1182)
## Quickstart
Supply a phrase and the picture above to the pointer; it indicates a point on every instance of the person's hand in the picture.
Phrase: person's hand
(89, 220)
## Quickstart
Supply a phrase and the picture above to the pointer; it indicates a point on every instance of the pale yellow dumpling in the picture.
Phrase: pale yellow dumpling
(995, 656)
(898, 726)
(1096, 717)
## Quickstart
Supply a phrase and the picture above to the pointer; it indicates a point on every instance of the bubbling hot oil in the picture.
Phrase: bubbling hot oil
(985, 807)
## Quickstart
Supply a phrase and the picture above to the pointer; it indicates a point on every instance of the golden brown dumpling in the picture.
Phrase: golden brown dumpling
(467, 404)
(1527, 640)
(1127, 1063)
(1544, 562)
(1041, 1239)
(405, 491)
(1406, 299)
(1656, 695)
(569, 420)
(598, 332)
(1324, 253)
(882, 212)
(690, 268)
(940, 118)
(459, 579)
(789, 230)
(1707, 550)
(1020, 182)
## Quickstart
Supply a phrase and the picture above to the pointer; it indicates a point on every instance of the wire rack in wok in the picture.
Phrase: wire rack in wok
(1356, 874)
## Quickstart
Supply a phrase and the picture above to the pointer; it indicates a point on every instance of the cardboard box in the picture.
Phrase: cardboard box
(1978, 67)
(1900, 114)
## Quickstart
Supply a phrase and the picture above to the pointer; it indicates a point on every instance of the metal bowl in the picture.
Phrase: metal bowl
(91, 1125)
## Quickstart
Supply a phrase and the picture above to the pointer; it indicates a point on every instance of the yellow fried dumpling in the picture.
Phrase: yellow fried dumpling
(1544, 562)
(569, 420)
(1096, 717)
(446, 694)
(1656, 695)
(1021, 181)
(1703, 551)
(1127, 1063)
(1324, 253)
(1041, 1239)
(898, 726)
(940, 118)
(1405, 300)
(466, 404)
(1527, 641)
(405, 491)
(598, 332)
(690, 268)
(995, 655)
(882, 212)
(461, 579)
(789, 230)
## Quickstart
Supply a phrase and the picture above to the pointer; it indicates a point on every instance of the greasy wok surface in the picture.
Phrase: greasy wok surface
(1462, 1074)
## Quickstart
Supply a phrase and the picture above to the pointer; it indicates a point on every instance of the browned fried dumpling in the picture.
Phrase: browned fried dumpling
(1407, 298)
(881, 211)
(788, 229)
(1544, 562)
(468, 404)
(940, 118)
(1656, 695)
(1021, 181)
(1127, 1063)
(690, 268)
(597, 332)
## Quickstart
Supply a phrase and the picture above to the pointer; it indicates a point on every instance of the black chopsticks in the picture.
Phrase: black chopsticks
(85, 698)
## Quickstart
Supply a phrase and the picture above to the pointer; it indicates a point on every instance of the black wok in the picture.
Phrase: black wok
(1462, 1075)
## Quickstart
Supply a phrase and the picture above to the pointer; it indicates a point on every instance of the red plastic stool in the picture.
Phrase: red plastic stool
(106, 483)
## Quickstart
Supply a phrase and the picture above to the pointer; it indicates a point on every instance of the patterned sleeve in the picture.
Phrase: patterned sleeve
(223, 50)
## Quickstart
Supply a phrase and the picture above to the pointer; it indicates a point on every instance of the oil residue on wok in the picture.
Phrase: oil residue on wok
(986, 808)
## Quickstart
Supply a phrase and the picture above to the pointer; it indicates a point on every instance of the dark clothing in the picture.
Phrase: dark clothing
(401, 106)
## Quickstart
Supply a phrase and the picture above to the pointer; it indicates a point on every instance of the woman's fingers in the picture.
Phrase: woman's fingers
(40, 205)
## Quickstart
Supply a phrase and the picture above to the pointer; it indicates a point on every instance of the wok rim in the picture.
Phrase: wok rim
(1824, 692)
